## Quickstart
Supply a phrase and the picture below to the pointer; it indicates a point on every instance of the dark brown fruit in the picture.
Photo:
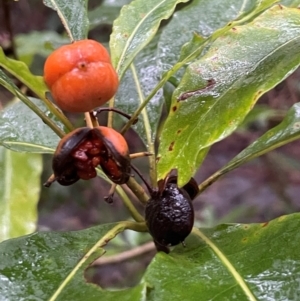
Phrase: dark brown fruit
(170, 215)
(77, 156)
(81, 151)
(116, 159)
(191, 187)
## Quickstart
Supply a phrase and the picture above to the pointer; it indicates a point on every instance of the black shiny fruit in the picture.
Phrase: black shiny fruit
(169, 215)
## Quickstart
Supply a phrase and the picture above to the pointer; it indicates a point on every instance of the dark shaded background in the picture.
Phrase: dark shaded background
(262, 189)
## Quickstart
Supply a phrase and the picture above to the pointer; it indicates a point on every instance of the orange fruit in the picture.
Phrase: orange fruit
(80, 76)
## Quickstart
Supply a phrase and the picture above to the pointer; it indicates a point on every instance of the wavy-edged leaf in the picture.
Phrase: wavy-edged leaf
(22, 130)
(231, 262)
(19, 189)
(73, 15)
(133, 30)
(21, 71)
(287, 131)
(45, 266)
(219, 89)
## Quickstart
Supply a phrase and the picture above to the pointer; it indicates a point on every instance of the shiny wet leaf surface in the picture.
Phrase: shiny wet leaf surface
(218, 90)
(204, 270)
(19, 189)
(228, 262)
(22, 130)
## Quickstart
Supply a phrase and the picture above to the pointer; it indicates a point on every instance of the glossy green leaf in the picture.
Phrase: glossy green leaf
(46, 266)
(35, 83)
(19, 192)
(290, 3)
(200, 17)
(73, 15)
(37, 42)
(228, 262)
(106, 12)
(21, 71)
(128, 98)
(219, 89)
(287, 131)
(22, 130)
(133, 30)
(231, 262)
(207, 20)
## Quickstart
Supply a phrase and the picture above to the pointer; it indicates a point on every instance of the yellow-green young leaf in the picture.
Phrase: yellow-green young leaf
(218, 90)
(73, 15)
(21, 71)
(135, 27)
(288, 130)
(19, 192)
(189, 27)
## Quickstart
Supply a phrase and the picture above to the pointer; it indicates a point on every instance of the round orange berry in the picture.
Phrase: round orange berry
(80, 76)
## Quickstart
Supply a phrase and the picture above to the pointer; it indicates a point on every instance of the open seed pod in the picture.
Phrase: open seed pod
(76, 156)
(81, 151)
(115, 158)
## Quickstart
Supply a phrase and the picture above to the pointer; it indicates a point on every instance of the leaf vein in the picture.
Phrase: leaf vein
(240, 281)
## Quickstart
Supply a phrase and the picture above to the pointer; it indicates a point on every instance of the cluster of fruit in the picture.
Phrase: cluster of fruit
(81, 78)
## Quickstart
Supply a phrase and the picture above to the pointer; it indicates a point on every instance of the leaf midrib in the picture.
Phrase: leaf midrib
(37, 146)
(228, 265)
(7, 194)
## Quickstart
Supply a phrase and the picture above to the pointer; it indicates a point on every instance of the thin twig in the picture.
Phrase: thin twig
(140, 154)
(138, 190)
(126, 255)
(147, 126)
(128, 204)
(88, 120)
